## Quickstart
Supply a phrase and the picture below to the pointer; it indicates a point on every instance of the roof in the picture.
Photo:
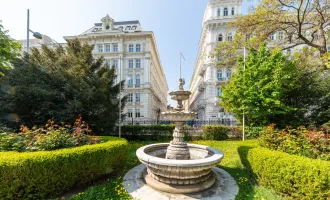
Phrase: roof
(121, 23)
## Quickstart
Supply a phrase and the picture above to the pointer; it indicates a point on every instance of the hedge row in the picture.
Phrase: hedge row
(295, 176)
(40, 175)
(147, 132)
(220, 132)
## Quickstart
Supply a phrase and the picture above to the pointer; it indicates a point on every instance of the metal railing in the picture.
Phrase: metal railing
(194, 123)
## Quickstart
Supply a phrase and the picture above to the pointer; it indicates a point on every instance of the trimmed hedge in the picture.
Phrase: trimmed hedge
(45, 174)
(295, 176)
(220, 132)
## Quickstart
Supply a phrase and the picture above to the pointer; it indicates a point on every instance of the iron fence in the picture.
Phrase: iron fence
(192, 123)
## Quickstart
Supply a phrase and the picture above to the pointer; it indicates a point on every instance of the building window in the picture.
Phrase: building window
(130, 113)
(138, 47)
(280, 35)
(115, 48)
(107, 62)
(219, 76)
(115, 64)
(131, 48)
(137, 97)
(130, 63)
(115, 80)
(218, 12)
(120, 28)
(137, 113)
(137, 80)
(272, 37)
(130, 81)
(219, 93)
(228, 73)
(134, 27)
(137, 63)
(233, 11)
(128, 28)
(100, 48)
(107, 48)
(130, 97)
(220, 38)
(225, 12)
(230, 37)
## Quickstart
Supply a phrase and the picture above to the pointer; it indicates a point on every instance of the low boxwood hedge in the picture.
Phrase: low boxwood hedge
(291, 175)
(40, 175)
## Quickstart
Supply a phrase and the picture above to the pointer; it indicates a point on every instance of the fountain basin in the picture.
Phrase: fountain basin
(177, 116)
(179, 176)
(180, 95)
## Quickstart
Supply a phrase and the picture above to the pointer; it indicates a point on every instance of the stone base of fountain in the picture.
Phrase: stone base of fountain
(224, 187)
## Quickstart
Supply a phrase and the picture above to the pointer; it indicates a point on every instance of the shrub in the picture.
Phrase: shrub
(253, 131)
(291, 175)
(310, 143)
(215, 132)
(51, 137)
(45, 174)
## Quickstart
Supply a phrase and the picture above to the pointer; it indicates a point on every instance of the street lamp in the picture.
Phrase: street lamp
(35, 34)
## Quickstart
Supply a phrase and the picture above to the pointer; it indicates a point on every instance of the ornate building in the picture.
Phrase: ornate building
(133, 53)
(207, 79)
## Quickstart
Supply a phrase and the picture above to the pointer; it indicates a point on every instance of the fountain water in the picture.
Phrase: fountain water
(178, 167)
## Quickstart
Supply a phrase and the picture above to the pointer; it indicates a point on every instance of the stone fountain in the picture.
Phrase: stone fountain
(177, 169)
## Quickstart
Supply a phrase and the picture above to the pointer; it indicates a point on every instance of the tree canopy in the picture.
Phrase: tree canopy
(60, 84)
(273, 89)
(9, 50)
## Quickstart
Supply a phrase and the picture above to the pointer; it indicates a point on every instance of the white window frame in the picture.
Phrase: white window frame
(232, 11)
(225, 12)
(108, 62)
(219, 12)
(137, 79)
(137, 113)
(107, 48)
(115, 47)
(138, 48)
(130, 48)
(115, 63)
(137, 97)
(130, 64)
(220, 78)
(100, 48)
(130, 80)
(130, 97)
(138, 63)
(130, 113)
(230, 37)
(220, 37)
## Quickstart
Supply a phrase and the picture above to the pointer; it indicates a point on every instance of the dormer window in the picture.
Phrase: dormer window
(233, 11)
(225, 12)
(120, 28)
(220, 38)
(219, 12)
(133, 28)
(128, 28)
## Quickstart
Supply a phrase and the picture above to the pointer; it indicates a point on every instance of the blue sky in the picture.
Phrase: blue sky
(177, 24)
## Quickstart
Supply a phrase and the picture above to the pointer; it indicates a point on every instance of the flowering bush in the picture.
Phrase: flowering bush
(301, 141)
(50, 137)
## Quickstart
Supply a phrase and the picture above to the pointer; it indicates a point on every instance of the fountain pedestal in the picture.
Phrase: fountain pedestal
(178, 149)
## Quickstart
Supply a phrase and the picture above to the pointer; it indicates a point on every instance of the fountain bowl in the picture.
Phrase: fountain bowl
(177, 116)
(179, 176)
(180, 95)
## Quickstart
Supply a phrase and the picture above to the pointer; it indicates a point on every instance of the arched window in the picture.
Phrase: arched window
(230, 37)
(130, 81)
(233, 11)
(220, 37)
(225, 12)
(218, 12)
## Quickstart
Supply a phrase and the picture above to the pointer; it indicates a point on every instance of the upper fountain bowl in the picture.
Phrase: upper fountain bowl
(180, 95)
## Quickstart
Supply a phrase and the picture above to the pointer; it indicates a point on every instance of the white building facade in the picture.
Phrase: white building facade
(207, 79)
(133, 53)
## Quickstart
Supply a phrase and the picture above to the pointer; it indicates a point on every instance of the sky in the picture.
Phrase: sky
(177, 24)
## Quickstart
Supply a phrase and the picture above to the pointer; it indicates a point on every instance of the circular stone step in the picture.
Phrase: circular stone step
(224, 188)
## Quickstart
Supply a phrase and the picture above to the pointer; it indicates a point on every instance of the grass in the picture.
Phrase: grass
(113, 189)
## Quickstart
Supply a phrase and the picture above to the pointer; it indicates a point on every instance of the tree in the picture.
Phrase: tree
(296, 22)
(9, 50)
(60, 84)
(273, 89)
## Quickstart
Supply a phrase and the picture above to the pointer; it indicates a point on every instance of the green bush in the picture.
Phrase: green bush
(253, 131)
(215, 132)
(147, 132)
(290, 175)
(45, 174)
(301, 141)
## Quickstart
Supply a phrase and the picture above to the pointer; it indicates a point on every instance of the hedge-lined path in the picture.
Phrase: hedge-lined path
(113, 189)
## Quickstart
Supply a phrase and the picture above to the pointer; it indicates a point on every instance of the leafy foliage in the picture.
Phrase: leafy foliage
(273, 89)
(300, 141)
(45, 174)
(9, 50)
(292, 176)
(59, 84)
(50, 137)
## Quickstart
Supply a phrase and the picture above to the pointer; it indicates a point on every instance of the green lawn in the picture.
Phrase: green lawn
(113, 189)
